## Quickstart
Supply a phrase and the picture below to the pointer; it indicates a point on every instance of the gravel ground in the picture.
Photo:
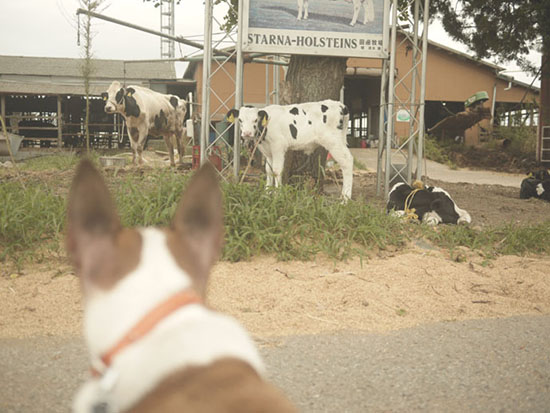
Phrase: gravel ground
(494, 365)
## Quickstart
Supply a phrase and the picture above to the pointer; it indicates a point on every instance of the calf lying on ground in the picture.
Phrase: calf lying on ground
(431, 205)
(299, 127)
(147, 112)
(536, 185)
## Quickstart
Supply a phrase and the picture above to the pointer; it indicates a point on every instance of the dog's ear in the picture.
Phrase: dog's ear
(92, 221)
(198, 226)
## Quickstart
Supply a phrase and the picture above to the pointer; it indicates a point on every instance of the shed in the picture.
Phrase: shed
(43, 98)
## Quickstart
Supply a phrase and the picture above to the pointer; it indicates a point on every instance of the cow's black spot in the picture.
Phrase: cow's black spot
(324, 118)
(262, 118)
(304, 112)
(324, 108)
(294, 111)
(119, 96)
(293, 131)
(134, 134)
(294, 121)
(265, 134)
(161, 121)
(131, 108)
(309, 122)
(174, 101)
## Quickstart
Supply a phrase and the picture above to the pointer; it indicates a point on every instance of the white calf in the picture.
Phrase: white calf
(301, 127)
(368, 6)
(147, 112)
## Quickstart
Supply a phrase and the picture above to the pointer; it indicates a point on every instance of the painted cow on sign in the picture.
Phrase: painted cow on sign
(147, 112)
(368, 6)
(431, 205)
(299, 127)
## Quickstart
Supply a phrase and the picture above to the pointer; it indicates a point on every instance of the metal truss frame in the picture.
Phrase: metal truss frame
(396, 159)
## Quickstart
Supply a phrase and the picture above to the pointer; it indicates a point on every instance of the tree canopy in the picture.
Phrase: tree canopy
(506, 30)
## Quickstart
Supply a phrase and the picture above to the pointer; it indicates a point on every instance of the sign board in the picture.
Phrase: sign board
(403, 115)
(322, 27)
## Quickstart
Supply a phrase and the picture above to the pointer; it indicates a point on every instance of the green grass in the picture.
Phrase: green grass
(438, 151)
(289, 223)
(59, 162)
(297, 224)
(30, 218)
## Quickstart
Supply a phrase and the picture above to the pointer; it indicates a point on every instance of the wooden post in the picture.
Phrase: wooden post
(3, 106)
(59, 123)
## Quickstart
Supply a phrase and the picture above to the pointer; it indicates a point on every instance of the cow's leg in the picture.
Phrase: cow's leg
(356, 8)
(343, 156)
(180, 144)
(302, 9)
(369, 11)
(142, 136)
(277, 165)
(169, 144)
(268, 171)
(431, 218)
(134, 144)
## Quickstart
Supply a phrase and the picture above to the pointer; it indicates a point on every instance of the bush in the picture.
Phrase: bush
(522, 139)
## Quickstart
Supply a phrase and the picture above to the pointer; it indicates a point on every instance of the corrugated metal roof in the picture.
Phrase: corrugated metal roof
(51, 75)
(55, 66)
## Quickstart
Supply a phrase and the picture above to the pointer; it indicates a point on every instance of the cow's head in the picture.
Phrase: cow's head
(252, 121)
(119, 99)
(114, 98)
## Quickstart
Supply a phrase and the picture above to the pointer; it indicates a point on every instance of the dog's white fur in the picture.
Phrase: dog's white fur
(188, 337)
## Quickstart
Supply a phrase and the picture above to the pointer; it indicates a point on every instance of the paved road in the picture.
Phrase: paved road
(443, 173)
(500, 365)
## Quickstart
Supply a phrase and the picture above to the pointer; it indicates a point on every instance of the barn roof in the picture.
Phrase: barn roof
(52, 75)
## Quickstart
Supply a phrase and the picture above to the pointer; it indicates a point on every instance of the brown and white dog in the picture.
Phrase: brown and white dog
(154, 345)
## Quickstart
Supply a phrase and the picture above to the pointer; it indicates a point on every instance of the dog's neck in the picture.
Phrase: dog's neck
(190, 336)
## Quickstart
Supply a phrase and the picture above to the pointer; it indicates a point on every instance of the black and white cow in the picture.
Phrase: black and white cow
(536, 185)
(432, 205)
(147, 112)
(303, 12)
(299, 127)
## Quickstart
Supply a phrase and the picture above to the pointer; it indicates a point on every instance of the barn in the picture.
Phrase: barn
(452, 78)
(43, 98)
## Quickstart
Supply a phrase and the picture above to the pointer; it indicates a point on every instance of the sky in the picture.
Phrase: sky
(48, 28)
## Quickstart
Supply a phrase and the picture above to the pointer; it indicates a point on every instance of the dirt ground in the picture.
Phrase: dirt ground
(392, 290)
(488, 205)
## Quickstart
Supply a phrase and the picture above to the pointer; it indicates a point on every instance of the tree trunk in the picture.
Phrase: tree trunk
(309, 79)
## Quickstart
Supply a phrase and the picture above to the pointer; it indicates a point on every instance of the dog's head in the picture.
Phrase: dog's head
(126, 272)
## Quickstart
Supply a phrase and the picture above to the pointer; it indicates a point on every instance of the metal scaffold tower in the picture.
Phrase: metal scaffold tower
(167, 26)
(215, 141)
(222, 140)
(402, 98)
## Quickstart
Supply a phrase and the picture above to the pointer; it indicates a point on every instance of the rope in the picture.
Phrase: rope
(251, 157)
(410, 213)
